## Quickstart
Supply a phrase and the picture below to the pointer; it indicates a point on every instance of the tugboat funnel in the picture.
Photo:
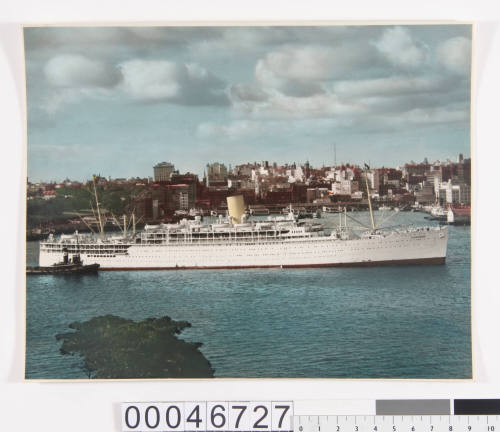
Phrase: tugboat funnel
(236, 208)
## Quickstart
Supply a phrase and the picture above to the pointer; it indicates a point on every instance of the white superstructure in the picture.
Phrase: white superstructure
(276, 242)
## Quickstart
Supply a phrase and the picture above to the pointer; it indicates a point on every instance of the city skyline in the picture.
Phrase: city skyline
(120, 99)
(150, 175)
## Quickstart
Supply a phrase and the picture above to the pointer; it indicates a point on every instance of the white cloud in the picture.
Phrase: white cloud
(77, 71)
(345, 75)
(296, 72)
(390, 86)
(421, 117)
(161, 80)
(235, 130)
(390, 101)
(248, 92)
(299, 64)
(398, 46)
(303, 70)
(152, 79)
(280, 106)
(434, 116)
(455, 55)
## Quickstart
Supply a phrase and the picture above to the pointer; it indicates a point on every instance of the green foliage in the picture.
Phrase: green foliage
(115, 347)
(117, 199)
(40, 211)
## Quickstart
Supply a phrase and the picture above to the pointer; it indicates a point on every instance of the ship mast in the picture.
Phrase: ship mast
(369, 198)
(98, 209)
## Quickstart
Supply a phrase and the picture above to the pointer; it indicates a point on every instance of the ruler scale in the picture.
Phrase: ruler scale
(397, 423)
(399, 415)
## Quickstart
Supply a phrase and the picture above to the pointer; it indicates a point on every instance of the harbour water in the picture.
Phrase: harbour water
(380, 322)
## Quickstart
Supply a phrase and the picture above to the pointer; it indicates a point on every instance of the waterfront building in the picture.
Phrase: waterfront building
(318, 193)
(410, 170)
(163, 171)
(454, 193)
(216, 174)
(192, 183)
(182, 195)
(49, 194)
(373, 177)
(345, 187)
(424, 194)
(244, 170)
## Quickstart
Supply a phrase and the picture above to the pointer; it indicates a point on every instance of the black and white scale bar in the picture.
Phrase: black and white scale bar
(437, 406)
(476, 406)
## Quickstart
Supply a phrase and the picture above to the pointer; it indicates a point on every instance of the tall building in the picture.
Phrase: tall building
(216, 173)
(191, 181)
(163, 171)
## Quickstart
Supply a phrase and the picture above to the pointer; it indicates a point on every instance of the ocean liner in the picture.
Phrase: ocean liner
(237, 242)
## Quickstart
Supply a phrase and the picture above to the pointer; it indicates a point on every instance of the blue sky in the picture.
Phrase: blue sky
(117, 100)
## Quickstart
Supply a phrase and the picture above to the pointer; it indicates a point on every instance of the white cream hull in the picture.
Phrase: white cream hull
(419, 247)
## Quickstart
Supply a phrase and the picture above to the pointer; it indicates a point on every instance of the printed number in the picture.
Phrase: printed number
(242, 409)
(469, 427)
(137, 417)
(491, 428)
(338, 428)
(394, 428)
(301, 428)
(257, 424)
(432, 428)
(450, 428)
(413, 429)
(178, 411)
(285, 409)
(356, 428)
(197, 418)
(157, 417)
(214, 415)
(375, 428)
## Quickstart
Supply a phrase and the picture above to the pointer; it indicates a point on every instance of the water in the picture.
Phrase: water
(397, 322)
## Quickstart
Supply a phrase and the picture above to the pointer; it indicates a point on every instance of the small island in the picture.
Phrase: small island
(118, 348)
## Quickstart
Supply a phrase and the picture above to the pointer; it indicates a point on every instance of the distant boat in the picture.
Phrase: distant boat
(437, 213)
(458, 216)
(327, 209)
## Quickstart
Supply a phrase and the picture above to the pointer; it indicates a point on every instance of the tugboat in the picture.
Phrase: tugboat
(73, 265)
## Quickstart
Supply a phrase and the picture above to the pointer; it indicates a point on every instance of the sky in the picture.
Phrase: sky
(117, 100)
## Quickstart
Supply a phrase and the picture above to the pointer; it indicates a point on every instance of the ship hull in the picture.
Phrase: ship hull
(418, 261)
(408, 248)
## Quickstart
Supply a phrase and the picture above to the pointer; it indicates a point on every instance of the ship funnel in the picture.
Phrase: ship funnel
(236, 207)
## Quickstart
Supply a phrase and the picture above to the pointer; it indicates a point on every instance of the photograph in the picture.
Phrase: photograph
(248, 201)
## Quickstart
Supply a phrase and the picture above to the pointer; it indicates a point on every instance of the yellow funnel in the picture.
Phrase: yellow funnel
(236, 207)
